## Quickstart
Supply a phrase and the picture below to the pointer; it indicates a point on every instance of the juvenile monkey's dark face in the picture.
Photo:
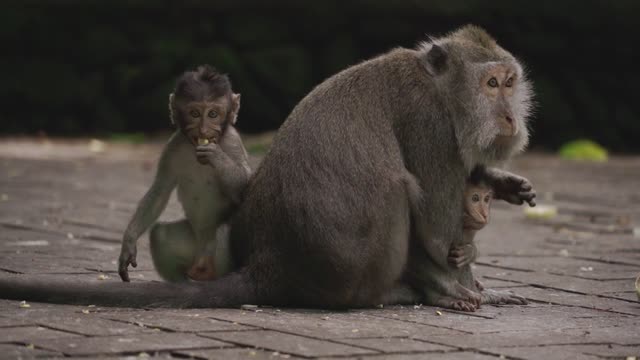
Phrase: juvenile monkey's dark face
(203, 105)
(204, 121)
(477, 201)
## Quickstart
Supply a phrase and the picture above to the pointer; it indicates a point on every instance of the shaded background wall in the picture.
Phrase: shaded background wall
(99, 67)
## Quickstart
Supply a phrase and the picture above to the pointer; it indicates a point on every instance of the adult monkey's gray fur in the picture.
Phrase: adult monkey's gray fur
(360, 193)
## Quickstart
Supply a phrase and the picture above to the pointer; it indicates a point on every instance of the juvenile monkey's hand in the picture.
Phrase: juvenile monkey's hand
(127, 257)
(514, 189)
(208, 154)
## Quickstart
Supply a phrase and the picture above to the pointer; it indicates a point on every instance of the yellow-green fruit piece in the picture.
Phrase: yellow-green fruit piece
(541, 212)
(583, 150)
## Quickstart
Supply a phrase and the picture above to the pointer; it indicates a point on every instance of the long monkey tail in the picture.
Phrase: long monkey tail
(229, 291)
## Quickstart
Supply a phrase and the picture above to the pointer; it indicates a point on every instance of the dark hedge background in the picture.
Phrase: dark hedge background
(99, 67)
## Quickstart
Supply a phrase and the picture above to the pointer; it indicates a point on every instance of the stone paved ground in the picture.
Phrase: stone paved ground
(63, 209)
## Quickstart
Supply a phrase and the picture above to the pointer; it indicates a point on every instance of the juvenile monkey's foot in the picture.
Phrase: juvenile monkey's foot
(461, 255)
(203, 269)
(490, 296)
(479, 285)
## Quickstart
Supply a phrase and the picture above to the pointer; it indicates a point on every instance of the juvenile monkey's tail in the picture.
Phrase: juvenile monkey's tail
(229, 291)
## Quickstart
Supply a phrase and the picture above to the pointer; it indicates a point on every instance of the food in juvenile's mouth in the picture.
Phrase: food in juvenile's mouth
(203, 141)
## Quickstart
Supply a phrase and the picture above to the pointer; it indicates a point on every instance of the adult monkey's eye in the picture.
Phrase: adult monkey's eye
(493, 82)
(213, 114)
(487, 198)
(509, 82)
(475, 198)
(194, 113)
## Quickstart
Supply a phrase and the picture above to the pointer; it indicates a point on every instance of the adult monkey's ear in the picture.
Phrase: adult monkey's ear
(436, 60)
(235, 107)
(172, 108)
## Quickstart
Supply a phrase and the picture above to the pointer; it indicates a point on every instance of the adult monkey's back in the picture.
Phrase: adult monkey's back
(330, 215)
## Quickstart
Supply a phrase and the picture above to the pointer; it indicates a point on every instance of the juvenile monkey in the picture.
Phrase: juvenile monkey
(207, 163)
(360, 192)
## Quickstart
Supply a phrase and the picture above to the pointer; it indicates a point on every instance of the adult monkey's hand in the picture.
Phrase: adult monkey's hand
(510, 187)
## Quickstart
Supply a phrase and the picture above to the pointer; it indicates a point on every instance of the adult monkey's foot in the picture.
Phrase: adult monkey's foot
(464, 299)
(451, 303)
(490, 296)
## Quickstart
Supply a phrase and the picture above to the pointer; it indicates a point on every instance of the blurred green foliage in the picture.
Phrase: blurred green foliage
(98, 67)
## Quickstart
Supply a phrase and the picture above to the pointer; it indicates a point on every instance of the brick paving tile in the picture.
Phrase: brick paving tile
(330, 325)
(391, 345)
(236, 354)
(133, 344)
(561, 352)
(446, 356)
(26, 334)
(287, 343)
(12, 322)
(10, 351)
(176, 322)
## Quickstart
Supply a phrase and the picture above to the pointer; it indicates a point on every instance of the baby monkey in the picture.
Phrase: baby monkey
(475, 216)
(207, 163)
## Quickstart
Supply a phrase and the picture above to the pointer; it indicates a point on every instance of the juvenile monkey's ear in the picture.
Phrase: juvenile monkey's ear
(437, 59)
(235, 107)
(172, 107)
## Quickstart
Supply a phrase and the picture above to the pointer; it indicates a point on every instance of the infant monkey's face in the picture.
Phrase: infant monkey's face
(477, 200)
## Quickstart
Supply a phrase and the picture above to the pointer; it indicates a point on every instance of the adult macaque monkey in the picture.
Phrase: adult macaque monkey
(207, 163)
(359, 196)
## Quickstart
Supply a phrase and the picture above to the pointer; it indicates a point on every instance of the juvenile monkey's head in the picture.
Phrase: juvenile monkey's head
(477, 201)
(486, 91)
(203, 105)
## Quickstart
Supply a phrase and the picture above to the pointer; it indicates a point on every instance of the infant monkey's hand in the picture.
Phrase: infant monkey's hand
(462, 255)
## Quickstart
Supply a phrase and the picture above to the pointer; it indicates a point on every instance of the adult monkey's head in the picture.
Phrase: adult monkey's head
(203, 105)
(486, 92)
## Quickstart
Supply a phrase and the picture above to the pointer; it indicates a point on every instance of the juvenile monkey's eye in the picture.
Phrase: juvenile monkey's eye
(475, 198)
(194, 113)
(487, 198)
(213, 114)
(493, 82)
(509, 82)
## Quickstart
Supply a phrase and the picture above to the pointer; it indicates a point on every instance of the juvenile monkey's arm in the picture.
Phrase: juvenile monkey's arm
(507, 186)
(148, 211)
(231, 161)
